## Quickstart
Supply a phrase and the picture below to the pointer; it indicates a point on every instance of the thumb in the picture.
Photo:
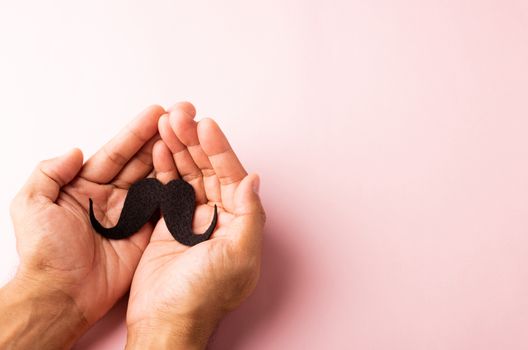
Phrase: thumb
(250, 216)
(50, 175)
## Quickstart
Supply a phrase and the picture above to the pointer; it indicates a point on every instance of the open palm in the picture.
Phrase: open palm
(56, 236)
(212, 277)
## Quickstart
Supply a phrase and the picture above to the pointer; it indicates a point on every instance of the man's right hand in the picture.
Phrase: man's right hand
(180, 293)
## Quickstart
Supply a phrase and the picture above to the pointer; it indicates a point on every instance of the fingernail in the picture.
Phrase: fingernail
(256, 184)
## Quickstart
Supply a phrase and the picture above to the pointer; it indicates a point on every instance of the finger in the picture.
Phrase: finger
(50, 175)
(183, 105)
(106, 163)
(250, 217)
(139, 167)
(185, 165)
(223, 159)
(185, 129)
(164, 163)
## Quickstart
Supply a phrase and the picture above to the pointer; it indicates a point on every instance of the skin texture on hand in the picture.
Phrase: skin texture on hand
(61, 256)
(33, 317)
(70, 276)
(180, 293)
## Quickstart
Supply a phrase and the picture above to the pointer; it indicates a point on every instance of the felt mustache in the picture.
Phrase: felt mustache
(176, 201)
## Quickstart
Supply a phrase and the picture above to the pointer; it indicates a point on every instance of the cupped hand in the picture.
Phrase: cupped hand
(58, 248)
(180, 293)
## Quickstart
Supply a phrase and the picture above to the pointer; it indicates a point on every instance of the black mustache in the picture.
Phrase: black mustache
(176, 200)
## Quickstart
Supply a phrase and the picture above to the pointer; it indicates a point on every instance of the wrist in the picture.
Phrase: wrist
(35, 316)
(168, 333)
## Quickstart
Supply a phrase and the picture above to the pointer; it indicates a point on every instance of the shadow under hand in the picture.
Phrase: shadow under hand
(276, 279)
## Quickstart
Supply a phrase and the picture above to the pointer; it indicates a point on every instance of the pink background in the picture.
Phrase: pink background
(391, 137)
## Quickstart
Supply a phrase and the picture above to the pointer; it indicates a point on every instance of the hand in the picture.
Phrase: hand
(66, 268)
(180, 293)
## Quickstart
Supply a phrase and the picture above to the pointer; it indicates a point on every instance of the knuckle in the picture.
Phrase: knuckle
(42, 167)
(42, 164)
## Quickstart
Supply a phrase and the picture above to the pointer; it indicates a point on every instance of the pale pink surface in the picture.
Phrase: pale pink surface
(391, 138)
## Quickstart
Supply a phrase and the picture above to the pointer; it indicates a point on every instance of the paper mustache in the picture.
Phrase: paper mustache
(176, 201)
